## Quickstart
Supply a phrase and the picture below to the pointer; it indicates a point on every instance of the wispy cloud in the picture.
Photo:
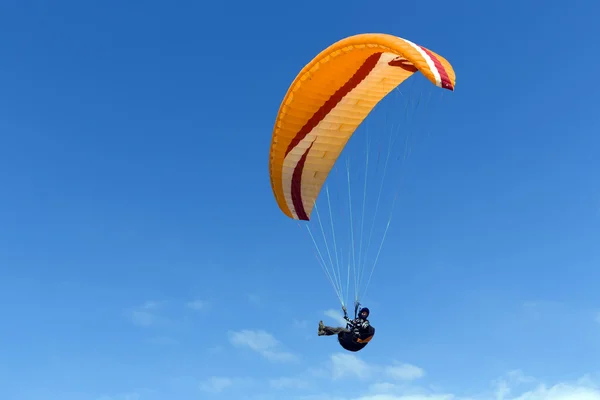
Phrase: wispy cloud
(300, 324)
(153, 313)
(515, 386)
(348, 365)
(505, 384)
(263, 343)
(216, 384)
(383, 387)
(343, 365)
(219, 384)
(197, 305)
(404, 372)
(289, 383)
(147, 314)
(336, 316)
(215, 349)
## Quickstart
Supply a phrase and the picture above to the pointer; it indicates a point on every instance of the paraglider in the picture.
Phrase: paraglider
(357, 333)
(323, 107)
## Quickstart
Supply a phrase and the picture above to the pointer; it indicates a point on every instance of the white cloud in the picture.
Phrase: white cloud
(404, 372)
(506, 388)
(583, 389)
(559, 391)
(146, 314)
(396, 381)
(511, 378)
(263, 343)
(197, 305)
(215, 349)
(219, 384)
(382, 387)
(336, 316)
(348, 365)
(503, 385)
(512, 386)
(300, 324)
(216, 384)
(288, 383)
(319, 372)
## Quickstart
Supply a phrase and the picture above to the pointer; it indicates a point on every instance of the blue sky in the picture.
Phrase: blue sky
(143, 257)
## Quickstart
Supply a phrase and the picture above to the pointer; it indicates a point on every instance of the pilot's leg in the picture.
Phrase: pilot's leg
(329, 330)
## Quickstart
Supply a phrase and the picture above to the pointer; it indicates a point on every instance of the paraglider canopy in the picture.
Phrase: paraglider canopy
(323, 107)
(328, 100)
